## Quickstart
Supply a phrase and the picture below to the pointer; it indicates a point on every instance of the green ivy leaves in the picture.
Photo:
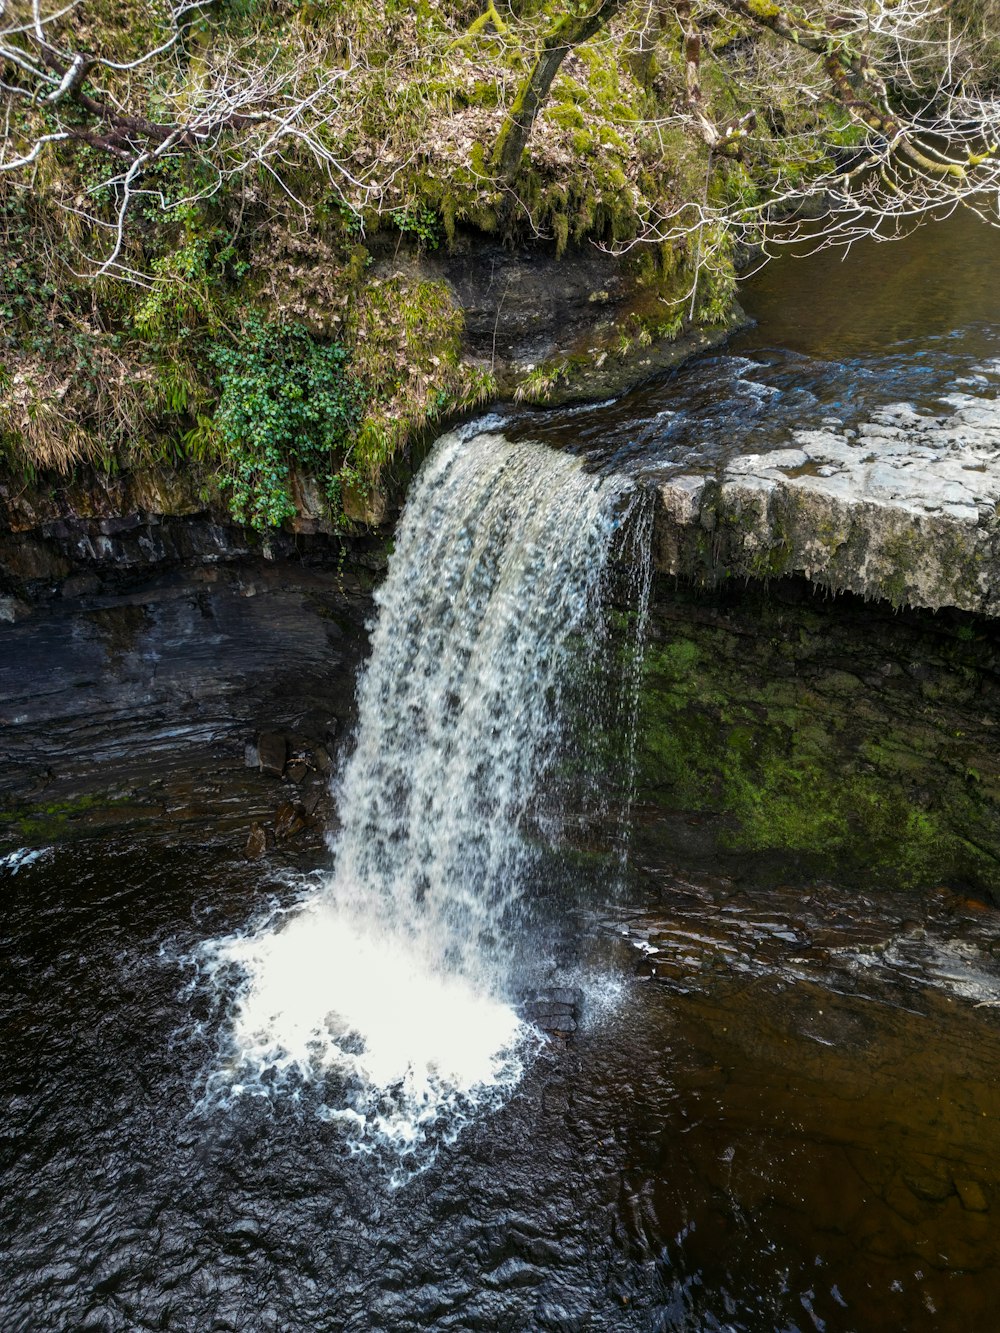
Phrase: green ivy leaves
(286, 399)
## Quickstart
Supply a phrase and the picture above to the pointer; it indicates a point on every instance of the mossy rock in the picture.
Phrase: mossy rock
(829, 756)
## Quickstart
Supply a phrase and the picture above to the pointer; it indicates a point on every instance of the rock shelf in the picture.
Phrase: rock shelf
(906, 507)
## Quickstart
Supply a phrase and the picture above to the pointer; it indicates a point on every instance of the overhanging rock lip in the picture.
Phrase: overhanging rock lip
(905, 508)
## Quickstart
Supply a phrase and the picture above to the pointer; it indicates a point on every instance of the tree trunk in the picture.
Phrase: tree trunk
(568, 32)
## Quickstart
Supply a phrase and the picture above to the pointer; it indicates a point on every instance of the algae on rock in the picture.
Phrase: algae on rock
(784, 732)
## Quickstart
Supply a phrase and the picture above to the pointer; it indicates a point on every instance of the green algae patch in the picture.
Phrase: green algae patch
(830, 743)
(37, 824)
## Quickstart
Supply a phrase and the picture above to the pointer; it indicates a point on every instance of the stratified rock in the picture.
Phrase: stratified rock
(907, 509)
(80, 585)
(272, 750)
(554, 1009)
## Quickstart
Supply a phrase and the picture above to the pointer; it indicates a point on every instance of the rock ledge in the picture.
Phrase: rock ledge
(906, 508)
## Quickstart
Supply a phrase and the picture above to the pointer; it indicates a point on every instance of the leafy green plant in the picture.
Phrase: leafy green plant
(420, 221)
(286, 399)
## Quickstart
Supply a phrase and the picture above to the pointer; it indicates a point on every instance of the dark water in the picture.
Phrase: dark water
(782, 1113)
(834, 337)
(787, 1119)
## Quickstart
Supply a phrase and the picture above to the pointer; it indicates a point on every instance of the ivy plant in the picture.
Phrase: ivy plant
(286, 398)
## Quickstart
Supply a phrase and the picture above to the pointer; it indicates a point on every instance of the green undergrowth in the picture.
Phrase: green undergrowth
(231, 262)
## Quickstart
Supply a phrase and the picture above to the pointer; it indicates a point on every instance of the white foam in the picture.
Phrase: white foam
(323, 995)
(22, 857)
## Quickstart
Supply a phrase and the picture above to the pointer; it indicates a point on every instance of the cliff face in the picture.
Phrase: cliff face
(823, 686)
(789, 733)
(203, 703)
(199, 679)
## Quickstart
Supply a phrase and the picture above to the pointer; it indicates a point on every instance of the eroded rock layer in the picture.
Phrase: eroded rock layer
(904, 508)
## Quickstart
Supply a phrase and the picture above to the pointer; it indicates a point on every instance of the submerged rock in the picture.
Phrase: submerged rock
(971, 1196)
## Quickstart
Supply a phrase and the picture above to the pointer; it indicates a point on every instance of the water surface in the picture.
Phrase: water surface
(784, 1115)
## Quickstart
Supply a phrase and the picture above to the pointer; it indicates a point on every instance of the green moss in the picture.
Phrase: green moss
(809, 765)
(32, 825)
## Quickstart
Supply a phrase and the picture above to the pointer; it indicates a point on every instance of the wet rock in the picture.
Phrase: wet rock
(555, 1009)
(559, 1025)
(971, 1196)
(80, 585)
(258, 840)
(272, 751)
(549, 1009)
(932, 1189)
(905, 512)
(296, 771)
(290, 819)
(28, 560)
(13, 609)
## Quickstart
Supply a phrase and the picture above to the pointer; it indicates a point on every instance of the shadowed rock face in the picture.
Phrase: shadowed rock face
(524, 308)
(787, 732)
(904, 508)
(164, 704)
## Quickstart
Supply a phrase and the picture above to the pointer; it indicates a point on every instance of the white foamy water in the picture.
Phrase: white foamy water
(391, 987)
(22, 857)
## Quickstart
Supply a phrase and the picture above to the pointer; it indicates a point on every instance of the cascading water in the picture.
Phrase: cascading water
(390, 988)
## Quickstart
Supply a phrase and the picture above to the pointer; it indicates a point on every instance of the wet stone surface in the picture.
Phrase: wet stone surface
(554, 1009)
(194, 704)
(903, 506)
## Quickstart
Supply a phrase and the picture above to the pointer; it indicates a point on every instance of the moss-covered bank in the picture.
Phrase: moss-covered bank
(317, 308)
(786, 732)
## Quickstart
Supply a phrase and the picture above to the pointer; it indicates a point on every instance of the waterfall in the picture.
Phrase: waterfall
(392, 986)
